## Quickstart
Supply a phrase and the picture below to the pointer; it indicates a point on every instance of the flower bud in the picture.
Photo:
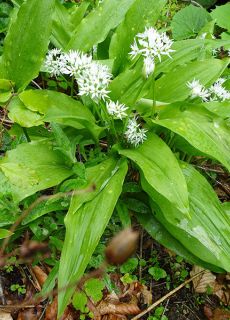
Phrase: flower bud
(121, 247)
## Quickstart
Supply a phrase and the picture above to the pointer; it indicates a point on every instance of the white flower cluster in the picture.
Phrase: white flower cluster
(92, 77)
(151, 44)
(134, 134)
(215, 93)
(116, 109)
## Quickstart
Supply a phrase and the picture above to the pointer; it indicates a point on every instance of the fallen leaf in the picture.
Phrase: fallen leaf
(204, 281)
(121, 308)
(51, 310)
(217, 314)
(5, 316)
(40, 275)
(30, 314)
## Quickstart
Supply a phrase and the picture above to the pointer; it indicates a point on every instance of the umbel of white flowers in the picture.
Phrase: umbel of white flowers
(92, 77)
(151, 45)
(134, 134)
(215, 93)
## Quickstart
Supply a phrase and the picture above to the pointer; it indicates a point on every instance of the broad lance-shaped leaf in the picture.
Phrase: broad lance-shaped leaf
(50, 106)
(188, 50)
(32, 167)
(130, 85)
(27, 42)
(173, 86)
(201, 128)
(140, 14)
(163, 236)
(206, 234)
(62, 28)
(161, 169)
(95, 27)
(85, 223)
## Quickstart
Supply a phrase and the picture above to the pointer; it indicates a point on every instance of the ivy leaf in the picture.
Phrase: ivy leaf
(93, 288)
(157, 273)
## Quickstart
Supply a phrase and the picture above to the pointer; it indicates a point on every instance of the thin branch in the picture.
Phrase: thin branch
(162, 299)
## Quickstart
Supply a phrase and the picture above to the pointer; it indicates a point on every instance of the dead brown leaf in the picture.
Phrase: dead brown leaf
(121, 308)
(203, 281)
(51, 310)
(217, 314)
(30, 314)
(40, 275)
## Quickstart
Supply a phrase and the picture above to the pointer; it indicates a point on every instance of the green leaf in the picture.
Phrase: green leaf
(6, 90)
(62, 28)
(123, 214)
(130, 85)
(221, 109)
(93, 289)
(50, 282)
(157, 273)
(63, 144)
(85, 223)
(77, 13)
(161, 169)
(80, 301)
(188, 50)
(60, 108)
(20, 114)
(32, 167)
(188, 22)
(43, 208)
(201, 128)
(163, 236)
(23, 51)
(5, 233)
(129, 266)
(173, 86)
(206, 234)
(221, 14)
(95, 27)
(141, 14)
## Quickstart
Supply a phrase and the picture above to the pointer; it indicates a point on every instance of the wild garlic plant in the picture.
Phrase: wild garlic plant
(136, 119)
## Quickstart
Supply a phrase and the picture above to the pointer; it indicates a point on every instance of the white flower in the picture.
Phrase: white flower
(203, 35)
(74, 63)
(134, 134)
(151, 44)
(218, 92)
(198, 90)
(135, 50)
(94, 81)
(149, 66)
(116, 109)
(53, 62)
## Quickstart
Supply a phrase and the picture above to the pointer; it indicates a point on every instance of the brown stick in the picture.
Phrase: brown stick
(166, 296)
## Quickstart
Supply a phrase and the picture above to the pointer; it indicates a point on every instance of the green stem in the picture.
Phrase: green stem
(26, 134)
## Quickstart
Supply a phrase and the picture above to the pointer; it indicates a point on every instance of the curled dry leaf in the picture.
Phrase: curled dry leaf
(204, 281)
(40, 275)
(5, 316)
(121, 308)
